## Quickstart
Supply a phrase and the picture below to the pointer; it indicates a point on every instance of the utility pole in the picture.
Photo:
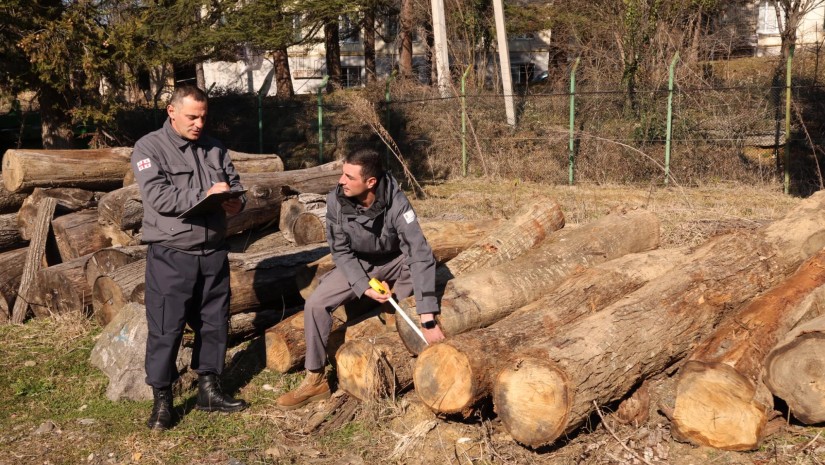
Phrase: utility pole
(504, 59)
(442, 59)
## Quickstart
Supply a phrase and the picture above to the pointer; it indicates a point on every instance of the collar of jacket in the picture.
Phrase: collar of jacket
(349, 206)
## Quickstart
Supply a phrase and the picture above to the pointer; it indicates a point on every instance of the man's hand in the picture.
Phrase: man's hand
(431, 335)
(232, 206)
(377, 296)
(218, 187)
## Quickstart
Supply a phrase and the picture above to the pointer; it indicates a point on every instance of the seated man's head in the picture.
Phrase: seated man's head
(361, 172)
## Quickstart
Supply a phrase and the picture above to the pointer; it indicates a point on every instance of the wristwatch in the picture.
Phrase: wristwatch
(429, 324)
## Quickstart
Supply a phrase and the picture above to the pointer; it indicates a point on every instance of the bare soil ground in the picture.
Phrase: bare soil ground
(53, 409)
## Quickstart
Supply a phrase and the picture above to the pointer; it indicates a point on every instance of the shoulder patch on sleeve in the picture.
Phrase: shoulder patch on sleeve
(143, 164)
(409, 216)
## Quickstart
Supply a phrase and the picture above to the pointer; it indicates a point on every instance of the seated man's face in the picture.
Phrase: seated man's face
(352, 183)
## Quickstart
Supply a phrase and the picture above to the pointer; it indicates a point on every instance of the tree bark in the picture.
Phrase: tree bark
(110, 292)
(245, 163)
(35, 255)
(720, 399)
(247, 325)
(11, 270)
(257, 241)
(405, 47)
(454, 376)
(56, 130)
(794, 371)
(483, 297)
(9, 232)
(283, 76)
(98, 169)
(69, 200)
(105, 261)
(61, 289)
(332, 46)
(550, 387)
(446, 238)
(78, 234)
(369, 44)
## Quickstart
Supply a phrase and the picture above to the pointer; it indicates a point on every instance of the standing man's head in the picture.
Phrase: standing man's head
(361, 172)
(187, 112)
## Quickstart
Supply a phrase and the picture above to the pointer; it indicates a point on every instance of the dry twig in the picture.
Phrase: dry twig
(612, 433)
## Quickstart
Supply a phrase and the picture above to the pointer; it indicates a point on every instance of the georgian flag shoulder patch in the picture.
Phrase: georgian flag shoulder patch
(409, 216)
(143, 164)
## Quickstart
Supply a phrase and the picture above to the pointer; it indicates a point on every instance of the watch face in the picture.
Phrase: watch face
(428, 324)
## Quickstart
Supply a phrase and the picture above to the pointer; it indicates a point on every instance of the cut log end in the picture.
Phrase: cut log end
(360, 365)
(12, 175)
(443, 379)
(279, 357)
(107, 299)
(796, 374)
(718, 407)
(533, 399)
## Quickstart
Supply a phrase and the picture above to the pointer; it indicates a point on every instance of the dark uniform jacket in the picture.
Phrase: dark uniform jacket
(361, 237)
(173, 175)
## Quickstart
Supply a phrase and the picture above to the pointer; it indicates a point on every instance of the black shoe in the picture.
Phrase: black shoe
(212, 399)
(161, 416)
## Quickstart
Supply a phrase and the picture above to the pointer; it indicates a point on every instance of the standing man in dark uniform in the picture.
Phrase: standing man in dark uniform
(187, 271)
(373, 233)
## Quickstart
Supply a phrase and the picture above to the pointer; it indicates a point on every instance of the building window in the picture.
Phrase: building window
(297, 25)
(522, 73)
(524, 36)
(391, 28)
(351, 76)
(767, 23)
(348, 30)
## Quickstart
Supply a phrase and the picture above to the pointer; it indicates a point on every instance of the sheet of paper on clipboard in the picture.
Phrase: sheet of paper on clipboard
(211, 203)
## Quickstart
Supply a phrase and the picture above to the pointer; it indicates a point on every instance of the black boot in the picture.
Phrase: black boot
(161, 416)
(212, 399)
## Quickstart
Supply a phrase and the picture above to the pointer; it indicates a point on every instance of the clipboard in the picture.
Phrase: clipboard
(211, 203)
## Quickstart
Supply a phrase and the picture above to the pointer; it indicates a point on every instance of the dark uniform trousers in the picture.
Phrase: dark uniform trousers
(182, 289)
(333, 291)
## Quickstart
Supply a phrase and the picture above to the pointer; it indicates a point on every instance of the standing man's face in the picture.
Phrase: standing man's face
(352, 183)
(188, 118)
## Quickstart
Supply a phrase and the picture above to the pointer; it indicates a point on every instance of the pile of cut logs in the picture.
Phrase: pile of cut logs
(548, 323)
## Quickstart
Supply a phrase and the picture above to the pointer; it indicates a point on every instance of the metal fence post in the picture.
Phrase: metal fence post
(788, 79)
(571, 142)
(669, 115)
(464, 121)
(321, 118)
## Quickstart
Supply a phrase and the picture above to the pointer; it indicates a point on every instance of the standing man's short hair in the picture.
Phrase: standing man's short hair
(182, 92)
(370, 162)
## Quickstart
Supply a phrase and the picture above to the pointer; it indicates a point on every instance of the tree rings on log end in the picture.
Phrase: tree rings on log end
(363, 371)
(533, 399)
(107, 299)
(443, 379)
(717, 407)
(796, 373)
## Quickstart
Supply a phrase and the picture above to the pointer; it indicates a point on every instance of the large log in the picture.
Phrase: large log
(78, 234)
(267, 190)
(375, 367)
(795, 372)
(244, 326)
(9, 232)
(481, 298)
(244, 163)
(69, 200)
(112, 291)
(61, 289)
(257, 241)
(10, 201)
(11, 270)
(95, 169)
(295, 209)
(446, 238)
(454, 376)
(268, 278)
(549, 387)
(105, 261)
(35, 256)
(122, 208)
(720, 399)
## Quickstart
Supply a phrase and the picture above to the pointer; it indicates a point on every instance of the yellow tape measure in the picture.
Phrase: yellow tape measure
(376, 285)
